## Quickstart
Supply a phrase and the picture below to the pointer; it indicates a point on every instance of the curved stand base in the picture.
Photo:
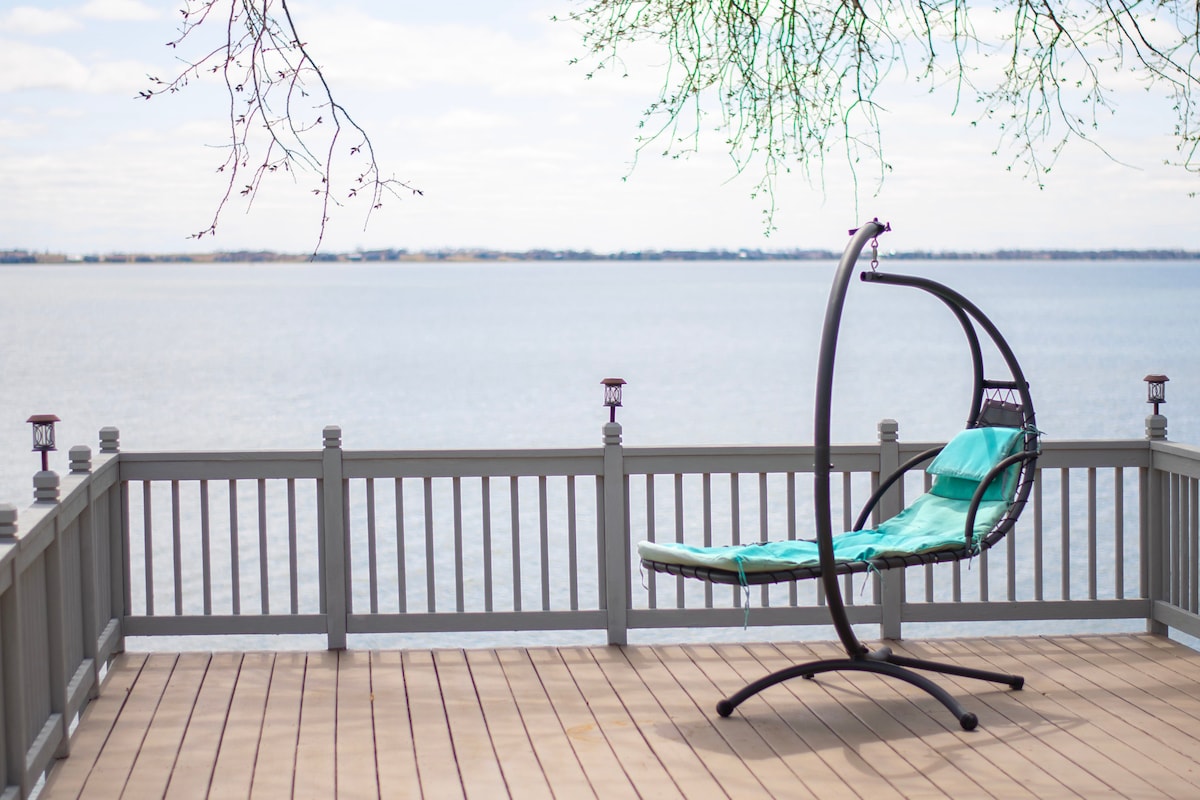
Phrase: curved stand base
(881, 662)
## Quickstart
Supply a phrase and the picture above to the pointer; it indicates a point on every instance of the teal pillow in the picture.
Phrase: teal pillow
(969, 457)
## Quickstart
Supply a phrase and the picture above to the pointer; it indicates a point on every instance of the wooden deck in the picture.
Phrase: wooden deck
(1112, 716)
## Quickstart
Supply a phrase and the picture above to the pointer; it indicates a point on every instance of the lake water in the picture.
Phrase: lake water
(487, 355)
(236, 356)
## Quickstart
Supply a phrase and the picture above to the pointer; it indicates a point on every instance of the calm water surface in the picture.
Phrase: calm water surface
(234, 356)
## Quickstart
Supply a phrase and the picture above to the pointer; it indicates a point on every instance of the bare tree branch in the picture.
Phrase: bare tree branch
(283, 116)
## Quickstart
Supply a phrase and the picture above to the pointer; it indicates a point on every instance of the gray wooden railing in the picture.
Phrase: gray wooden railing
(340, 543)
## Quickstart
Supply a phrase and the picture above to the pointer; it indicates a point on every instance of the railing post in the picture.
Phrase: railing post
(81, 464)
(1155, 549)
(12, 668)
(616, 538)
(891, 599)
(333, 539)
(117, 531)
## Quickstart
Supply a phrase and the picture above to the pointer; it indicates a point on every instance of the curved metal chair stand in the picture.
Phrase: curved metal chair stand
(994, 403)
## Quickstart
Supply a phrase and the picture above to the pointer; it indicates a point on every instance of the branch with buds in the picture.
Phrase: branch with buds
(283, 117)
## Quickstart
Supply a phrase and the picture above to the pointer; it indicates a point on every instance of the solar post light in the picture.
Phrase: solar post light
(43, 436)
(1156, 390)
(612, 396)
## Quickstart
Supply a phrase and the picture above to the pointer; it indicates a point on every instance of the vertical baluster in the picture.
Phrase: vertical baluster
(1038, 573)
(1185, 542)
(372, 550)
(1010, 564)
(602, 570)
(430, 578)
(293, 561)
(793, 590)
(234, 550)
(1194, 519)
(401, 551)
(735, 522)
(1091, 532)
(205, 549)
(983, 577)
(1176, 561)
(1064, 509)
(706, 488)
(1119, 532)
(572, 545)
(928, 569)
(763, 532)
(264, 572)
(123, 557)
(347, 588)
(847, 523)
(148, 545)
(176, 548)
(488, 555)
(514, 505)
(544, 542)
(679, 596)
(651, 575)
(460, 577)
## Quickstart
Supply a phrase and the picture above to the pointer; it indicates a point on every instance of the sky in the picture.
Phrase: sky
(477, 104)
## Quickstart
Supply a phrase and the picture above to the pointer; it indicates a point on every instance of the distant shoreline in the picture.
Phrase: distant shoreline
(481, 255)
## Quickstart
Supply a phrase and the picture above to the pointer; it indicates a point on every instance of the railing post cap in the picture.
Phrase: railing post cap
(612, 433)
(110, 439)
(1156, 426)
(333, 435)
(81, 458)
(8, 520)
(45, 487)
(888, 429)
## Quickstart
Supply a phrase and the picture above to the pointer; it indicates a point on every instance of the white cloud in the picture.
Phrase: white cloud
(12, 129)
(363, 50)
(29, 21)
(119, 10)
(25, 66)
(467, 120)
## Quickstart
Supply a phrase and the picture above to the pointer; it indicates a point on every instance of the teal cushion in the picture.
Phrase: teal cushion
(973, 452)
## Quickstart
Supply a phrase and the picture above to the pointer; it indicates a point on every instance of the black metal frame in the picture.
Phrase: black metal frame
(993, 402)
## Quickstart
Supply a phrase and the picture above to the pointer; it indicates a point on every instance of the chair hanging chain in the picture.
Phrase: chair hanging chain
(874, 254)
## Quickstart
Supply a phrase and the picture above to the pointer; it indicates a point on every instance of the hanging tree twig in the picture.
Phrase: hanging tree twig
(283, 117)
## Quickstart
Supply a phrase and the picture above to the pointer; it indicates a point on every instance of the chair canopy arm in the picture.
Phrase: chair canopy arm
(896, 475)
(964, 309)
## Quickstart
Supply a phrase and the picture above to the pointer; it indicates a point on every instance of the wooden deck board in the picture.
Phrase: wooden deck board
(397, 769)
(1100, 716)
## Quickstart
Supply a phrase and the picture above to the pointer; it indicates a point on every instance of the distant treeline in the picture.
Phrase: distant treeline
(262, 256)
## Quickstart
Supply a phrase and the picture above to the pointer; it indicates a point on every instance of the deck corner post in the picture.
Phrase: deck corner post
(616, 538)
(333, 539)
(1155, 536)
(891, 582)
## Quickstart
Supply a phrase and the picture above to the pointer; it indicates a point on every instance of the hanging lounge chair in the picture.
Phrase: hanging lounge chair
(981, 481)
